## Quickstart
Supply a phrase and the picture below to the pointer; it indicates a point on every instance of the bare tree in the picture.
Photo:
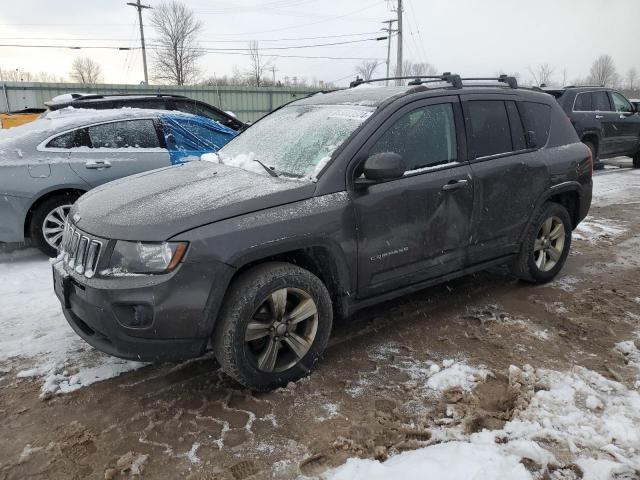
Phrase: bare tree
(603, 72)
(631, 78)
(85, 70)
(541, 74)
(367, 68)
(410, 69)
(258, 65)
(176, 53)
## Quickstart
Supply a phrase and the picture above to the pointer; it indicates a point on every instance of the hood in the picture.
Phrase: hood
(157, 205)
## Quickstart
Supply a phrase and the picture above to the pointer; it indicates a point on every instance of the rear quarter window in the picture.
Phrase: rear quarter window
(537, 118)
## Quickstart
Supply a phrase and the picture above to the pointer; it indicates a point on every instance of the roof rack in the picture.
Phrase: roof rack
(454, 79)
(584, 86)
(91, 96)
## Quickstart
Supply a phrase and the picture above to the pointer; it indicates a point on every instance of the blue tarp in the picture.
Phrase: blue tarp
(192, 136)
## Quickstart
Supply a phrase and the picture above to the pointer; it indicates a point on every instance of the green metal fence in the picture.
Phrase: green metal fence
(247, 103)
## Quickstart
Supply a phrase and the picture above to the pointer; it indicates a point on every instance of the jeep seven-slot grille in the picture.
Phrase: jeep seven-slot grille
(80, 251)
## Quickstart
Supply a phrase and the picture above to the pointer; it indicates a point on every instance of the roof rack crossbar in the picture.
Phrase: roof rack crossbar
(448, 77)
(511, 81)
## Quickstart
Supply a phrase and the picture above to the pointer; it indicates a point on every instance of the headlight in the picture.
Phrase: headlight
(139, 257)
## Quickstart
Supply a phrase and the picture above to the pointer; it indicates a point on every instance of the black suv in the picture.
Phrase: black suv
(153, 102)
(370, 193)
(604, 119)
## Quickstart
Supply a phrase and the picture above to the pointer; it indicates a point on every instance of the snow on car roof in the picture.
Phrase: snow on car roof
(363, 95)
(29, 134)
(70, 117)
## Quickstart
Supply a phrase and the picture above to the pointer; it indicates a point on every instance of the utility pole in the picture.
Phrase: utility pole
(139, 7)
(273, 71)
(399, 55)
(389, 31)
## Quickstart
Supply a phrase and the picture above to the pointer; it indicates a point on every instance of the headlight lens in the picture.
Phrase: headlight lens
(145, 258)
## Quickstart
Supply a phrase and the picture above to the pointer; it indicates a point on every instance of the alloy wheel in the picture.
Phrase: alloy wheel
(549, 244)
(53, 225)
(282, 329)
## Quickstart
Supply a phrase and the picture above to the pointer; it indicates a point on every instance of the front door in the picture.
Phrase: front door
(627, 124)
(416, 227)
(117, 149)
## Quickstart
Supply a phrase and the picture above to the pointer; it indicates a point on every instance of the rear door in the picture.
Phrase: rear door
(508, 174)
(415, 227)
(112, 150)
(610, 140)
(626, 122)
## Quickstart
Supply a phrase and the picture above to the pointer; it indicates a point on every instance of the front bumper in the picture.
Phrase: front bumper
(180, 307)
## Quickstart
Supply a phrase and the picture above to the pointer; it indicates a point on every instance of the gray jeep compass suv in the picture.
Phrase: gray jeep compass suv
(367, 194)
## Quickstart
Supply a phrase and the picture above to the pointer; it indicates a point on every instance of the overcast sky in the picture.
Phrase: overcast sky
(471, 37)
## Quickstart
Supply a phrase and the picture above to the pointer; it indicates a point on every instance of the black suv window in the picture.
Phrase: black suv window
(425, 137)
(199, 109)
(130, 133)
(517, 130)
(620, 103)
(583, 102)
(600, 102)
(490, 132)
(537, 118)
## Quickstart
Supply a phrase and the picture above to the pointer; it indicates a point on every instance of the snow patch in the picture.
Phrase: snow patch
(594, 231)
(35, 330)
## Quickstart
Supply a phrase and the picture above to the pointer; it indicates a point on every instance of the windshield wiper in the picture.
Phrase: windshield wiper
(269, 170)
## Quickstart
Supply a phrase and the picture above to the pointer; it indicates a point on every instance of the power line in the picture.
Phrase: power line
(201, 41)
(290, 47)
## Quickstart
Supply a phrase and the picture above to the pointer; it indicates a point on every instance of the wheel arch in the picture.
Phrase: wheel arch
(568, 194)
(320, 259)
(44, 196)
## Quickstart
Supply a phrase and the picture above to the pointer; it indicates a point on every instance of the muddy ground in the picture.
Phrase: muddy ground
(365, 398)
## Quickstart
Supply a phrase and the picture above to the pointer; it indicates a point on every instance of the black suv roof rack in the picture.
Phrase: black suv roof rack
(93, 96)
(454, 79)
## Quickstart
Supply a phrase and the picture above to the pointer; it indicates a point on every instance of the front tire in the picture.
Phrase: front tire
(273, 326)
(546, 245)
(47, 222)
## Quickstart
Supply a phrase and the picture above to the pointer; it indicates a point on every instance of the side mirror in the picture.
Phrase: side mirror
(384, 166)
(531, 139)
(170, 140)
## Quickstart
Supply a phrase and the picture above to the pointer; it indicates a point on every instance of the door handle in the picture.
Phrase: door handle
(454, 185)
(622, 115)
(599, 117)
(97, 164)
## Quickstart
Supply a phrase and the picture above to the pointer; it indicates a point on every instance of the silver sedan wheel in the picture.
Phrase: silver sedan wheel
(53, 225)
(549, 244)
(282, 330)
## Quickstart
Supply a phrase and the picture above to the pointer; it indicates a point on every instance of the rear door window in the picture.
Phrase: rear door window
(73, 139)
(583, 102)
(537, 117)
(600, 102)
(489, 125)
(127, 134)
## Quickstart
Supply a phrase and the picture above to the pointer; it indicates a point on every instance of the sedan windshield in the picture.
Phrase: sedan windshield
(296, 141)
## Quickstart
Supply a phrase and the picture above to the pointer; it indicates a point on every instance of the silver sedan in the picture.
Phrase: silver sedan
(47, 164)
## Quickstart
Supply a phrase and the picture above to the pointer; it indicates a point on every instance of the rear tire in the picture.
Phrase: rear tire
(273, 326)
(597, 165)
(546, 245)
(47, 222)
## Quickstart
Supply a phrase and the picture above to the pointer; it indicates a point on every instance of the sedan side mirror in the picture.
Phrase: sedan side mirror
(384, 166)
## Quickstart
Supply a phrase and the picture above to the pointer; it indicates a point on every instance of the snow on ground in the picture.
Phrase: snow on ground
(613, 187)
(578, 414)
(594, 231)
(35, 331)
